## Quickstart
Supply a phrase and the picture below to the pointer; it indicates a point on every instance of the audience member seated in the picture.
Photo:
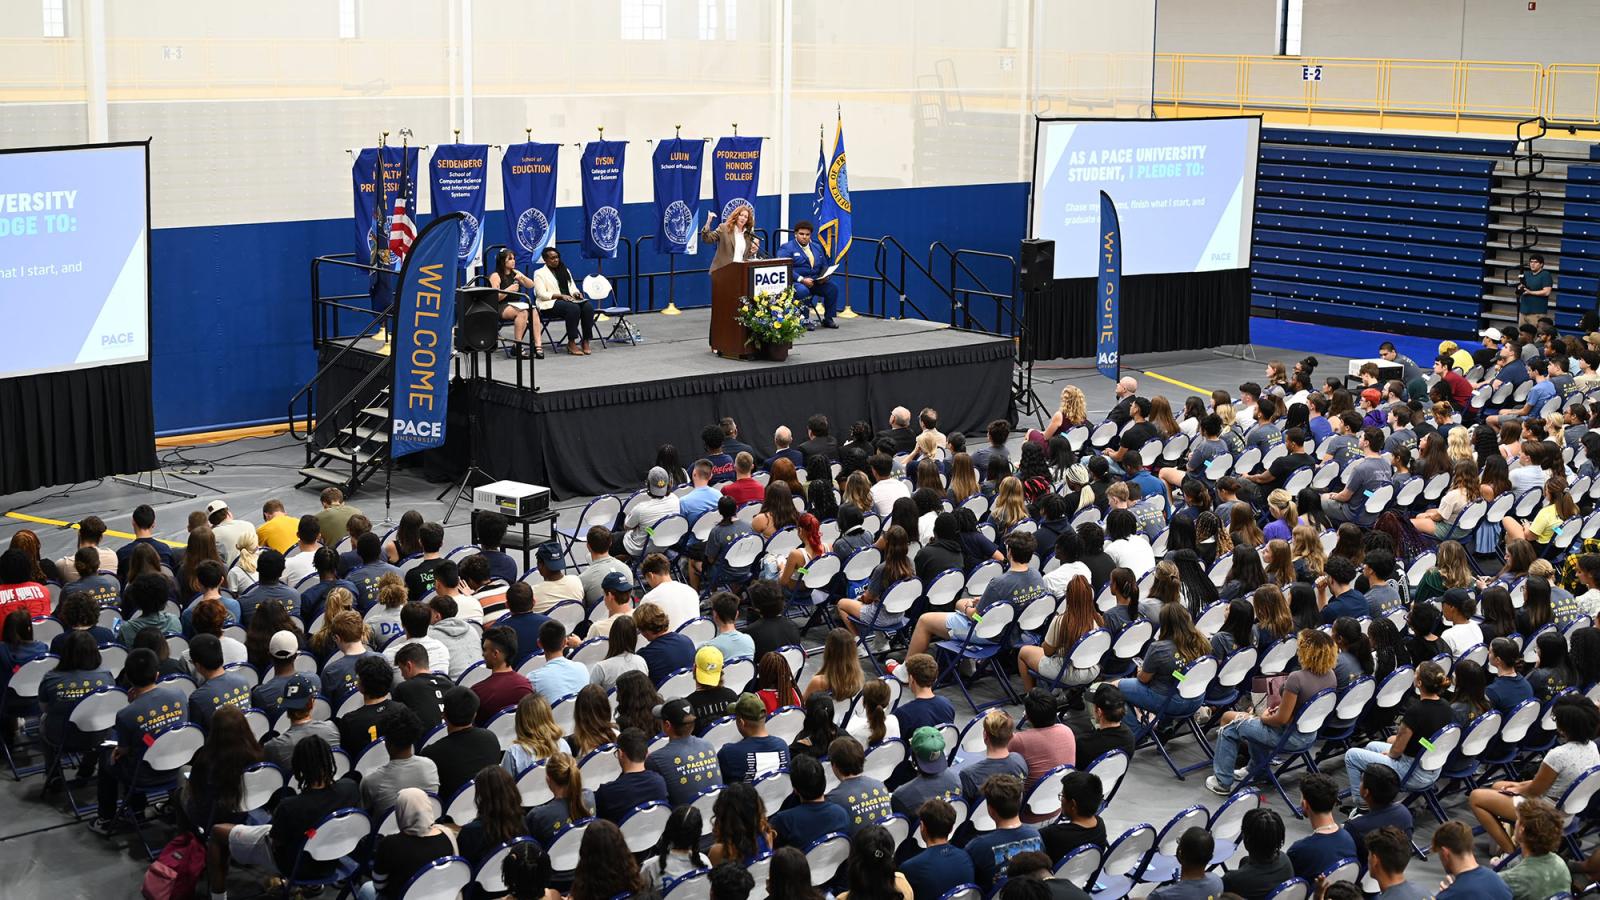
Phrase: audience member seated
(1464, 878)
(932, 871)
(1328, 843)
(1265, 865)
(990, 850)
(635, 786)
(756, 752)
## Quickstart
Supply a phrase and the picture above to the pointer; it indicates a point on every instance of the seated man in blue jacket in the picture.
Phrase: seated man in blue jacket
(810, 261)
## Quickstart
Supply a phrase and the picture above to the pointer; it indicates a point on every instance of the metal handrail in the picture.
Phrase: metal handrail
(958, 266)
(879, 258)
(350, 342)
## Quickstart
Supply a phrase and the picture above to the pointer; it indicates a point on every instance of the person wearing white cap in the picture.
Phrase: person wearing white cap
(268, 695)
(226, 529)
(659, 503)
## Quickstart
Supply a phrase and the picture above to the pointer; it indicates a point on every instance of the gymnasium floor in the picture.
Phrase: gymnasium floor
(44, 853)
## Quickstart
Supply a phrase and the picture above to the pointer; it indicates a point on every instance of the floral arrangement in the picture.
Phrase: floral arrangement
(773, 318)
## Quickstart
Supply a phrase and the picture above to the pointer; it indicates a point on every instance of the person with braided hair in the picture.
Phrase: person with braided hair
(274, 847)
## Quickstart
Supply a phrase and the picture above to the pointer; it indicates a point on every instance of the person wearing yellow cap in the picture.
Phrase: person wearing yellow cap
(1459, 358)
(710, 698)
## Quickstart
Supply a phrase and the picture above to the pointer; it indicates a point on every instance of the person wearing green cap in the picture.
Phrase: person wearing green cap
(756, 752)
(934, 778)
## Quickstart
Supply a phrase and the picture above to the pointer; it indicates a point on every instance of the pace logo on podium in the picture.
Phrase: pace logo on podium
(768, 280)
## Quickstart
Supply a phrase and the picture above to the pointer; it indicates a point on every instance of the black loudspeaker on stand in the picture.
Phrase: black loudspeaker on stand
(1035, 273)
(1036, 264)
(477, 319)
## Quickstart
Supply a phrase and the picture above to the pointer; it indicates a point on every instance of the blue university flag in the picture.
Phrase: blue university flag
(1109, 309)
(424, 316)
(460, 178)
(833, 215)
(735, 173)
(677, 183)
(374, 200)
(602, 198)
(528, 182)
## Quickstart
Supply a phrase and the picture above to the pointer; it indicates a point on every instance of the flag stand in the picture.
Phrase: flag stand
(672, 277)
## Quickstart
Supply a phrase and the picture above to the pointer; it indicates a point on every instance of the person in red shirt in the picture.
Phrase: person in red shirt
(744, 489)
(505, 686)
(1460, 387)
(18, 590)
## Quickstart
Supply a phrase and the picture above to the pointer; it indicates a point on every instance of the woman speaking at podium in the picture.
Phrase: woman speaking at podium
(735, 238)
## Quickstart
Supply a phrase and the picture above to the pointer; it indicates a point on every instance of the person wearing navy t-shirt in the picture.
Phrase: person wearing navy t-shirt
(935, 870)
(711, 437)
(1380, 785)
(1465, 879)
(635, 786)
(926, 709)
(372, 568)
(1328, 843)
(490, 528)
(522, 620)
(991, 850)
(1508, 689)
(668, 651)
(315, 597)
(151, 710)
(1335, 594)
(800, 825)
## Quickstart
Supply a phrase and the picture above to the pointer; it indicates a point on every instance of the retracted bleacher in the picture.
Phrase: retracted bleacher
(1374, 229)
(1579, 274)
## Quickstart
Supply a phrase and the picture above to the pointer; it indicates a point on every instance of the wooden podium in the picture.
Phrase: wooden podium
(728, 284)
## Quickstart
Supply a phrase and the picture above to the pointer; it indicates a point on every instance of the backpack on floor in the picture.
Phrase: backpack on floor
(177, 870)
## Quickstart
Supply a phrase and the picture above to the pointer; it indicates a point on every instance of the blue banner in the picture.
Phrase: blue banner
(1110, 297)
(677, 183)
(528, 176)
(371, 222)
(460, 179)
(424, 317)
(735, 173)
(833, 217)
(601, 169)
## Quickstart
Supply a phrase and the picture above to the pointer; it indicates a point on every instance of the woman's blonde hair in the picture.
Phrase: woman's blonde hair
(1307, 545)
(1279, 563)
(1009, 506)
(338, 600)
(1452, 564)
(1281, 503)
(929, 443)
(963, 477)
(536, 726)
(1316, 652)
(392, 592)
(562, 770)
(1458, 445)
(858, 491)
(1074, 407)
(1555, 429)
(249, 548)
(1224, 412)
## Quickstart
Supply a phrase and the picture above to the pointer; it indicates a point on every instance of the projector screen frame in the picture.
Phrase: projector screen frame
(1249, 212)
(149, 230)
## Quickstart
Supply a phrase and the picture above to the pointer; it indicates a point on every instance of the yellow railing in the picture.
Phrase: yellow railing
(1466, 93)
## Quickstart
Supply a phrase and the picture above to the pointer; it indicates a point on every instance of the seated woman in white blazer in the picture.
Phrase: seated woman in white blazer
(557, 293)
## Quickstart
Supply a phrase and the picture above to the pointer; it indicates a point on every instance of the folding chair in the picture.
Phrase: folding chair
(981, 646)
(1192, 684)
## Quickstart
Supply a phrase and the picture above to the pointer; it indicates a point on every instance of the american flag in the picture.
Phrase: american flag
(402, 231)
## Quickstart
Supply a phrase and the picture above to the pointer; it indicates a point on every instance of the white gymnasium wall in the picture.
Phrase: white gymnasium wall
(251, 107)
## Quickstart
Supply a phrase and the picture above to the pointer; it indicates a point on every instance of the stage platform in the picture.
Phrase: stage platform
(594, 422)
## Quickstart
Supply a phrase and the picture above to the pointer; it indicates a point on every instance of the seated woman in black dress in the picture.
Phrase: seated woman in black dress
(514, 303)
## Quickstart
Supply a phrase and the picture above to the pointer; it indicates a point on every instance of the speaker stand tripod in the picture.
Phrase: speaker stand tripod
(1023, 398)
(472, 476)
